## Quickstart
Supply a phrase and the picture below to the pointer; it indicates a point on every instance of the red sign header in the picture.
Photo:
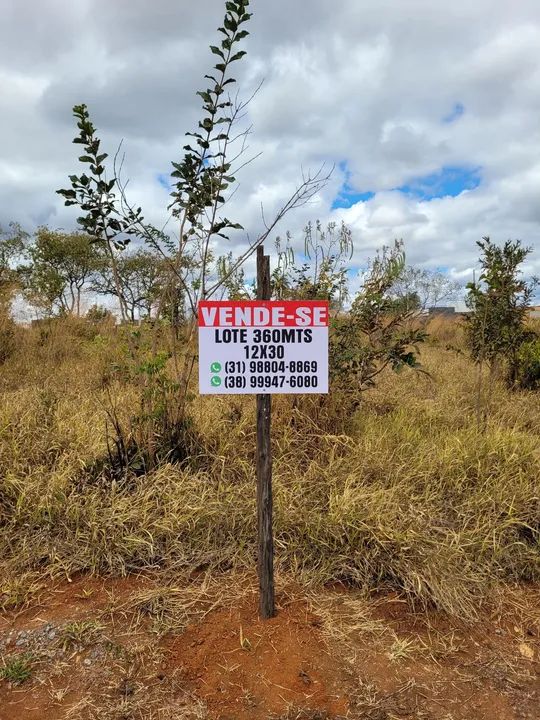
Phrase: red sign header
(263, 313)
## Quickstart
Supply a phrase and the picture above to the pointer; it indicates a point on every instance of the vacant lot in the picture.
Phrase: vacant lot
(407, 541)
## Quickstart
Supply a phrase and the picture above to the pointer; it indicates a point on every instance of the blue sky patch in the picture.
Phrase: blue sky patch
(164, 179)
(449, 181)
(456, 112)
(348, 196)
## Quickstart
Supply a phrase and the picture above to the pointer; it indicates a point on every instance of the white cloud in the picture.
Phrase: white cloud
(366, 83)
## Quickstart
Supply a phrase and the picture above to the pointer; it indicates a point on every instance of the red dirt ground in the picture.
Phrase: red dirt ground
(231, 666)
(246, 669)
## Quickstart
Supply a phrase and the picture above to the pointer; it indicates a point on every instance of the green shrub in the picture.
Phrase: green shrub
(528, 371)
(16, 669)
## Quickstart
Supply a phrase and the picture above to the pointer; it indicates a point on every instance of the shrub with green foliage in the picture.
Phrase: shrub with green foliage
(499, 302)
(376, 333)
(528, 365)
(60, 266)
(16, 669)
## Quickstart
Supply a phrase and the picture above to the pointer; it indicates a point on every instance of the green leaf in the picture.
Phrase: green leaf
(205, 95)
(230, 24)
(217, 51)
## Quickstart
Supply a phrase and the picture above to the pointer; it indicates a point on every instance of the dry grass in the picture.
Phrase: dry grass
(173, 605)
(136, 708)
(409, 493)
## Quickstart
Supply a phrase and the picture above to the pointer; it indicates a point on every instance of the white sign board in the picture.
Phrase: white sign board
(259, 346)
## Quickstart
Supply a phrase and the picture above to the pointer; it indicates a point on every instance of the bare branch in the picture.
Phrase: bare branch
(310, 186)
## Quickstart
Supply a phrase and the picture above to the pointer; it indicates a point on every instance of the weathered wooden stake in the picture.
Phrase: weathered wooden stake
(265, 559)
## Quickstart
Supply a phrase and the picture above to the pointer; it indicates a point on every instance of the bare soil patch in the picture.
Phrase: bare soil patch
(244, 668)
(143, 648)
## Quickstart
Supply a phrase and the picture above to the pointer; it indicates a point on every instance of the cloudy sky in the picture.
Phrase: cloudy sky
(428, 110)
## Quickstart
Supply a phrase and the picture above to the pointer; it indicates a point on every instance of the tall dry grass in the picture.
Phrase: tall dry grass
(408, 492)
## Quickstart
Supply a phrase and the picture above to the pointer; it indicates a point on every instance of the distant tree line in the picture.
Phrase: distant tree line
(58, 272)
(54, 270)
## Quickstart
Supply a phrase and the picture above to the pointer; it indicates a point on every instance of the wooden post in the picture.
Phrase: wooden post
(265, 558)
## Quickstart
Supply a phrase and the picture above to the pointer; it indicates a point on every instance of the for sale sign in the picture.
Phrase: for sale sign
(259, 346)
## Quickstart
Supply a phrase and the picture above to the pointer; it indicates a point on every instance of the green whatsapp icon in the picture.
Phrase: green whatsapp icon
(215, 367)
(215, 381)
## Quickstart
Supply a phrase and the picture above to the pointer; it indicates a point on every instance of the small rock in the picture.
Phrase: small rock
(126, 688)
(305, 677)
(87, 661)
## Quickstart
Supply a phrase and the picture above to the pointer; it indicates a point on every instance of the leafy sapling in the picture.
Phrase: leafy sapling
(376, 333)
(499, 302)
(104, 219)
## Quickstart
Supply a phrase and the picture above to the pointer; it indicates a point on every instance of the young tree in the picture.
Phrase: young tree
(61, 265)
(323, 272)
(420, 288)
(499, 303)
(203, 179)
(202, 182)
(12, 245)
(376, 333)
(141, 274)
(105, 220)
(234, 283)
